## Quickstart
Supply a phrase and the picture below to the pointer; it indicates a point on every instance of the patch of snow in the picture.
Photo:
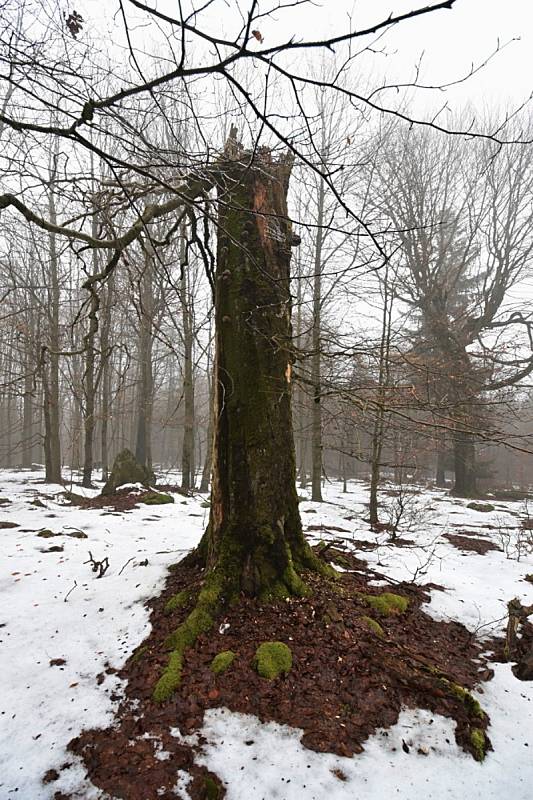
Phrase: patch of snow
(53, 607)
(267, 761)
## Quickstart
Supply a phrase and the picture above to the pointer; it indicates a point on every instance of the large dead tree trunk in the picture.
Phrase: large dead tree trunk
(254, 541)
(255, 534)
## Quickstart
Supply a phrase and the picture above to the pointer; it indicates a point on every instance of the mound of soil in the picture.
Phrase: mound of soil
(350, 676)
(471, 544)
(121, 500)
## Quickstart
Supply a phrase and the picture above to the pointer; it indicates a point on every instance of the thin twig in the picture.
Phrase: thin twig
(69, 591)
(125, 565)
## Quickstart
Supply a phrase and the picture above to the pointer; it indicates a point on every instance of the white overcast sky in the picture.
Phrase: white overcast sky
(450, 40)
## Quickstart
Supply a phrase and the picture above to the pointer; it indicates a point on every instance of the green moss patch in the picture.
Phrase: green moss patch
(479, 743)
(387, 603)
(138, 654)
(483, 507)
(465, 697)
(212, 791)
(199, 621)
(178, 601)
(273, 659)
(374, 626)
(156, 499)
(222, 661)
(170, 679)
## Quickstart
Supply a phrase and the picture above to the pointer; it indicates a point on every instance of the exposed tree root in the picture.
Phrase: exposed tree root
(222, 587)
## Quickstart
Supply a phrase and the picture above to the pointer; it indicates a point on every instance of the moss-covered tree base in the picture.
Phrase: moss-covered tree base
(222, 587)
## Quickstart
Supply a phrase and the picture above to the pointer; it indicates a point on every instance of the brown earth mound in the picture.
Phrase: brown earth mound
(471, 544)
(357, 662)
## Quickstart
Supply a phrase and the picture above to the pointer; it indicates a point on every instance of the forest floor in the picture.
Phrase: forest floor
(358, 716)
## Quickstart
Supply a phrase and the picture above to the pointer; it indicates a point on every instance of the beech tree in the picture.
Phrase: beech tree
(463, 217)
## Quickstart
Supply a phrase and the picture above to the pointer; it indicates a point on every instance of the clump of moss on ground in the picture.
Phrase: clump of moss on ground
(156, 499)
(273, 659)
(465, 697)
(222, 661)
(387, 603)
(212, 791)
(479, 743)
(373, 625)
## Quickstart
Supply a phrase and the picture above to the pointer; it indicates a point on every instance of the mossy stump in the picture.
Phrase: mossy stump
(254, 543)
(126, 469)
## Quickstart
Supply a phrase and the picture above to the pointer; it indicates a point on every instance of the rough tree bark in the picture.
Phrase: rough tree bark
(254, 543)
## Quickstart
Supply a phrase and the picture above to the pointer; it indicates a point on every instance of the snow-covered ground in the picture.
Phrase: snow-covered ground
(53, 607)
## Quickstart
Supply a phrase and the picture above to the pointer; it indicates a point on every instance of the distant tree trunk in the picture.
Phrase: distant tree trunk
(316, 413)
(254, 542)
(145, 388)
(464, 457)
(27, 411)
(379, 420)
(89, 376)
(187, 452)
(375, 469)
(440, 473)
(398, 459)
(106, 375)
(76, 410)
(50, 360)
(208, 460)
(303, 456)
